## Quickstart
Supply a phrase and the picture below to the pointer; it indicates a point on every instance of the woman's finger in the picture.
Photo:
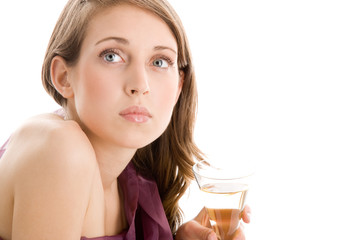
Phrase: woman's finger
(240, 235)
(246, 214)
(195, 231)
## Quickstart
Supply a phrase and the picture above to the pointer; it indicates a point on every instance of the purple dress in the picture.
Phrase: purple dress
(143, 208)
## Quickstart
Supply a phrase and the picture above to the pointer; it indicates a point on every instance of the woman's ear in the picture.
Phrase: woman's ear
(59, 77)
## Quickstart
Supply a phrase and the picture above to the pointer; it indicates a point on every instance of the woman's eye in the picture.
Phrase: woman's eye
(161, 63)
(112, 57)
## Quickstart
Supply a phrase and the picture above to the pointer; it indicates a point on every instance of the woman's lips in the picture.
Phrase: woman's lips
(136, 114)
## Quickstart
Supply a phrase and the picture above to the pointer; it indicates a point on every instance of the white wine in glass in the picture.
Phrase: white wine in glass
(224, 193)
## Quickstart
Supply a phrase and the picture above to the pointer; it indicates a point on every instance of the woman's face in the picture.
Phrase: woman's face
(126, 81)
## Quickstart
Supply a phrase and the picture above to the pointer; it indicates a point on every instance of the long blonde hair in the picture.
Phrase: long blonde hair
(168, 159)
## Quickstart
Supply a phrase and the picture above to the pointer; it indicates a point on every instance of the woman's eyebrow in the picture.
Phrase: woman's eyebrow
(126, 42)
(164, 48)
(117, 39)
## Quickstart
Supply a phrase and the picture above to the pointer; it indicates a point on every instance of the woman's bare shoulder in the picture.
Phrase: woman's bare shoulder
(46, 125)
(48, 140)
(45, 129)
(51, 167)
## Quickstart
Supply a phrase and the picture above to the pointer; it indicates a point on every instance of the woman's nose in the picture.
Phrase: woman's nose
(138, 91)
(137, 82)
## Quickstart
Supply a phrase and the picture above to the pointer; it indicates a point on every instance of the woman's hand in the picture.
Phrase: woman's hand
(200, 229)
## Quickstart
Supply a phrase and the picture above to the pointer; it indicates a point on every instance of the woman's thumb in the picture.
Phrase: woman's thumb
(195, 231)
(204, 233)
(211, 236)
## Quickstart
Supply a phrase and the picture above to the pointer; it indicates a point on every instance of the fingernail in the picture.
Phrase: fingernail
(249, 216)
(212, 236)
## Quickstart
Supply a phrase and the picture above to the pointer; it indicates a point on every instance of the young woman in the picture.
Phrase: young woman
(117, 158)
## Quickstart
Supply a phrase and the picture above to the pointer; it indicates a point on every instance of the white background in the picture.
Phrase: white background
(279, 89)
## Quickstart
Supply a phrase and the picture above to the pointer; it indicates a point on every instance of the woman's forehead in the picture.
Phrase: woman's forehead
(131, 23)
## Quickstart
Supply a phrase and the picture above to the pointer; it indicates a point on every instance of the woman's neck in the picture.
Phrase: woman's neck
(111, 158)
(111, 163)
